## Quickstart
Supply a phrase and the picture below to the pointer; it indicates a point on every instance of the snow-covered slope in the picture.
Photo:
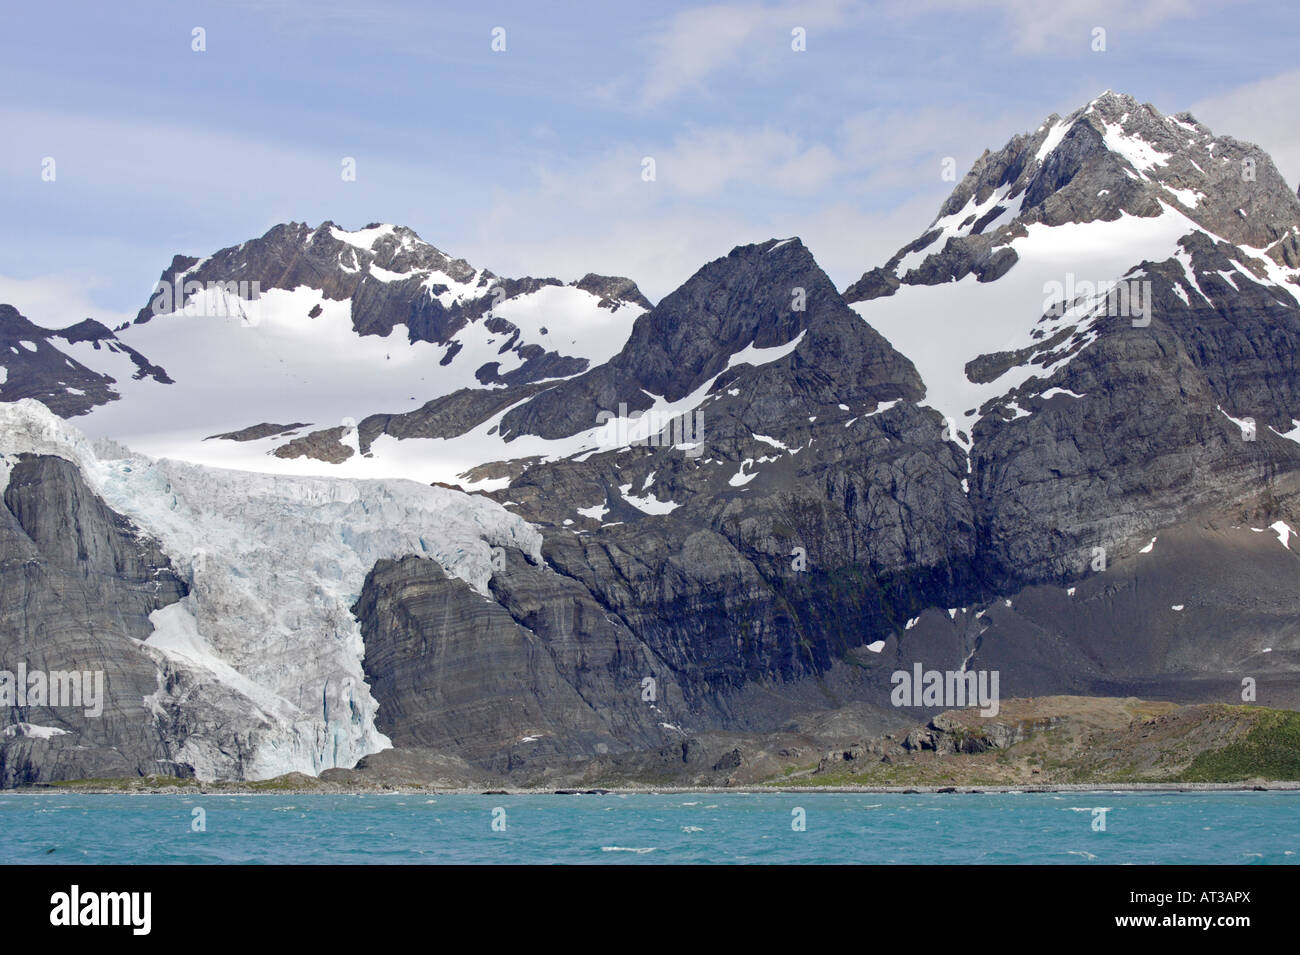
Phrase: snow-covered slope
(1010, 281)
(942, 328)
(317, 327)
(293, 369)
(263, 657)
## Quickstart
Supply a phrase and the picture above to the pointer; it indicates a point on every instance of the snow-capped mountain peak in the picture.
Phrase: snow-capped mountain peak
(1028, 258)
(303, 329)
(1111, 158)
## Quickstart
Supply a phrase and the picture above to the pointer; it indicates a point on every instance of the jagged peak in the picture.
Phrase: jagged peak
(338, 261)
(1112, 157)
(86, 330)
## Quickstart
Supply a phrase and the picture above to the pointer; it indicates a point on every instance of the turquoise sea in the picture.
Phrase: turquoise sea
(1142, 828)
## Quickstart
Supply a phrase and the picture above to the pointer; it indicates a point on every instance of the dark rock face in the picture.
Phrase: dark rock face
(77, 585)
(324, 445)
(874, 496)
(1151, 439)
(613, 290)
(444, 417)
(704, 599)
(762, 296)
(544, 678)
(841, 466)
(258, 431)
(1141, 436)
(876, 282)
(36, 367)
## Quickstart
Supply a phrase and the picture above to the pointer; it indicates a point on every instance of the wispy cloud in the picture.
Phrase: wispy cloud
(855, 195)
(57, 301)
(1056, 26)
(697, 43)
(1262, 113)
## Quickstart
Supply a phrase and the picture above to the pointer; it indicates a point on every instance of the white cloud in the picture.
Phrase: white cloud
(57, 301)
(1041, 26)
(697, 43)
(1260, 113)
(854, 206)
(870, 187)
(195, 168)
(903, 150)
(703, 163)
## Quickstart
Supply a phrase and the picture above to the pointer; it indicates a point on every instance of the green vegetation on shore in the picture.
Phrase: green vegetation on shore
(1270, 749)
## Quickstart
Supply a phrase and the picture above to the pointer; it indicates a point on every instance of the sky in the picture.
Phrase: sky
(530, 159)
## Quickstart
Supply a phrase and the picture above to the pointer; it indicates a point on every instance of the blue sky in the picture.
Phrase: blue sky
(529, 161)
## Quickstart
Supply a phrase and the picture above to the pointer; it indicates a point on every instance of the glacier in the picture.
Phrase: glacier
(264, 648)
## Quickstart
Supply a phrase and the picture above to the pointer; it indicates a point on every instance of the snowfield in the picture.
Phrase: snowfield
(1002, 316)
(236, 363)
(943, 327)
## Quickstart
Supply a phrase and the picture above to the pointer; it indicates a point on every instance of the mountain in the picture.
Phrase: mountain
(325, 326)
(1044, 392)
(686, 540)
(58, 367)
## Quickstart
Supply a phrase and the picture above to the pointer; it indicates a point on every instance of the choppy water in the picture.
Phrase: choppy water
(1143, 828)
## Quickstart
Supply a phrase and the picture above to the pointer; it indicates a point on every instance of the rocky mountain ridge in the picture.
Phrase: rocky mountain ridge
(754, 503)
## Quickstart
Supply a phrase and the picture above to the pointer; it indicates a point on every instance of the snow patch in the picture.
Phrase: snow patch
(1140, 154)
(1283, 530)
(33, 731)
(743, 476)
(650, 504)
(753, 355)
(768, 440)
(362, 238)
(1051, 141)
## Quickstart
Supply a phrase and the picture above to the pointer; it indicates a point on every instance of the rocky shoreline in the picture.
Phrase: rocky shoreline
(244, 790)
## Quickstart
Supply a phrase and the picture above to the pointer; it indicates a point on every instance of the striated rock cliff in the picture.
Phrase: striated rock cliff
(77, 585)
